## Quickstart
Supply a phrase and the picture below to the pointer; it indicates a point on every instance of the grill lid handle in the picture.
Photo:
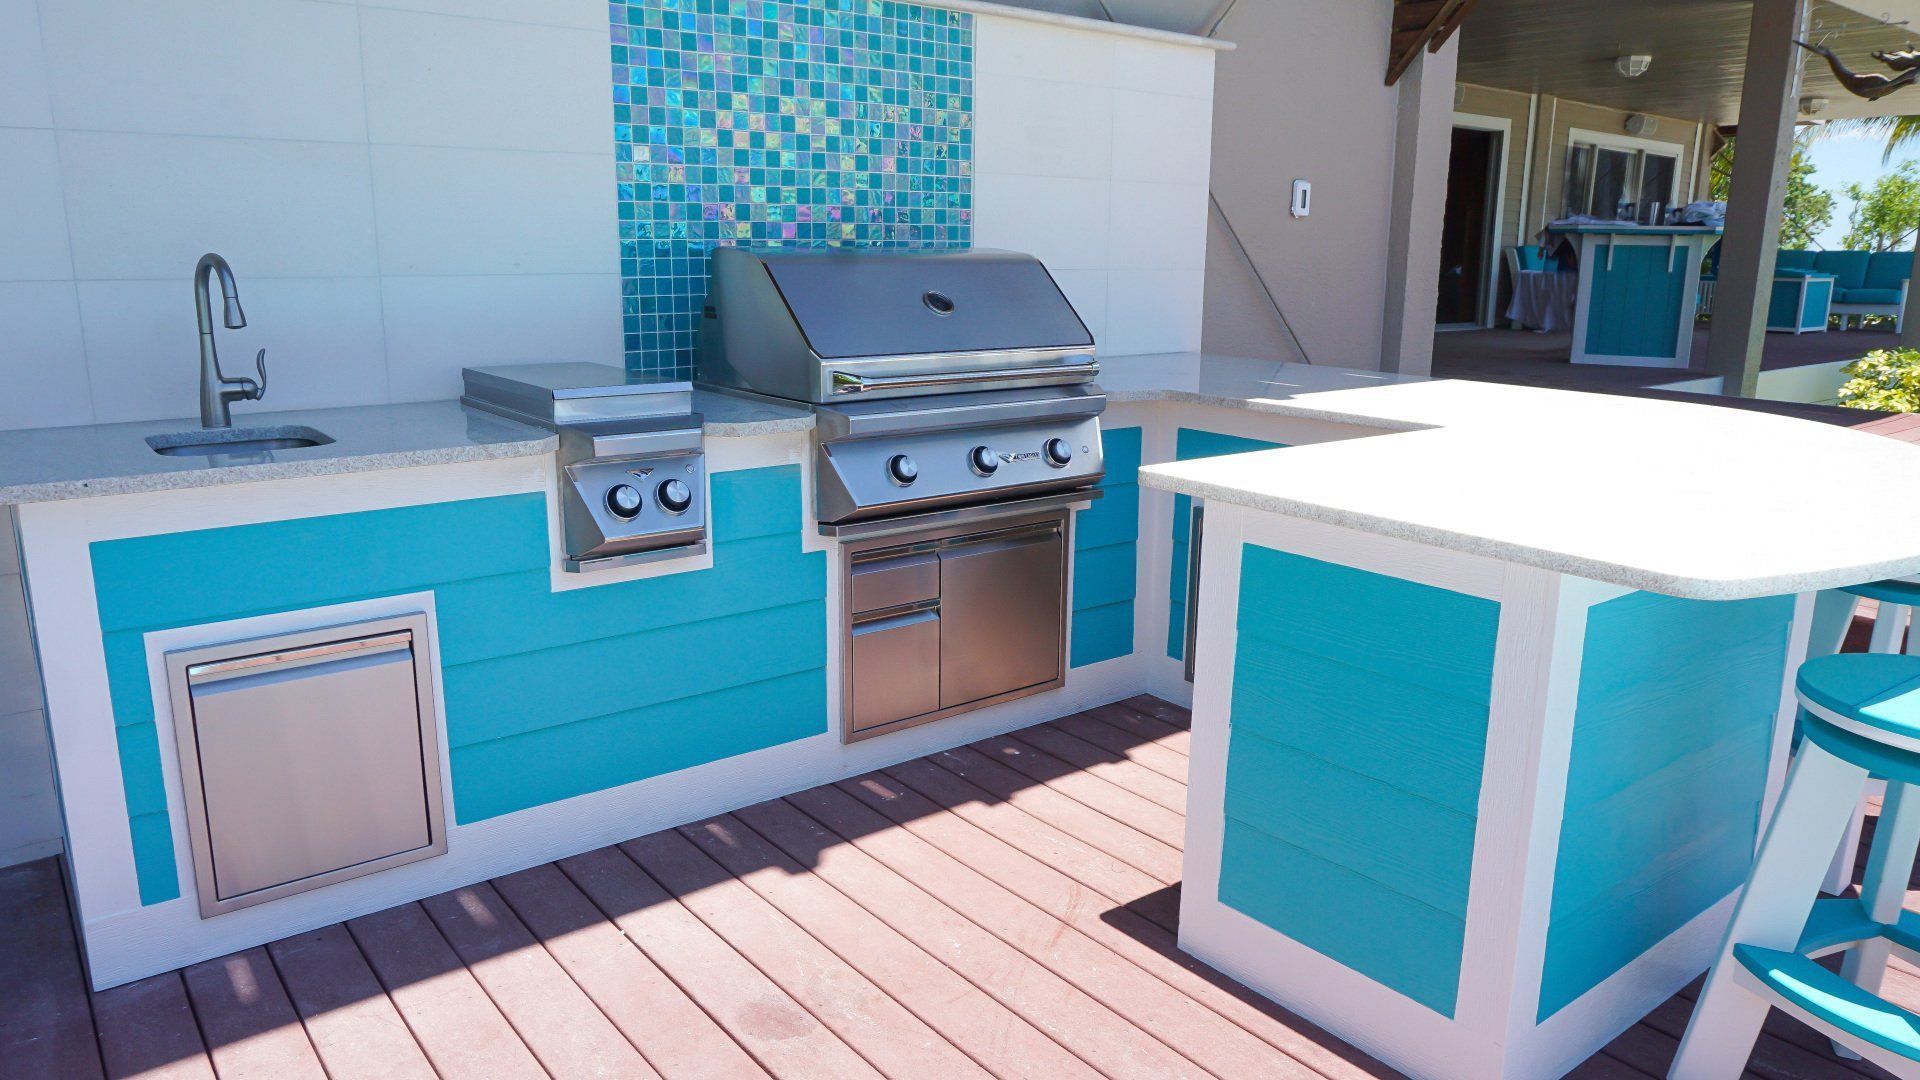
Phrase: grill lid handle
(849, 383)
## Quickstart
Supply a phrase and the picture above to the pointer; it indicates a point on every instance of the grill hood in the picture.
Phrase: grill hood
(826, 325)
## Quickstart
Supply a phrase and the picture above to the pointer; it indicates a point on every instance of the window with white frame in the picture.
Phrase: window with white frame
(1619, 179)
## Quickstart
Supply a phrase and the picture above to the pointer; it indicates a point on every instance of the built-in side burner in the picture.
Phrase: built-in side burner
(632, 467)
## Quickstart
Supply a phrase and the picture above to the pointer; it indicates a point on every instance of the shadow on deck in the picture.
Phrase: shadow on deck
(1009, 908)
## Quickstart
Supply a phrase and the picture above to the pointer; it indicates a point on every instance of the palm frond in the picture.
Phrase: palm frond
(1900, 132)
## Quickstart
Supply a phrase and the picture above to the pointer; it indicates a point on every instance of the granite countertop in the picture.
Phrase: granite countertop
(51, 464)
(1672, 497)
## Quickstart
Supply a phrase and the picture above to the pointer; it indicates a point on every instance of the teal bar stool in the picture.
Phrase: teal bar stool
(1860, 718)
(1897, 597)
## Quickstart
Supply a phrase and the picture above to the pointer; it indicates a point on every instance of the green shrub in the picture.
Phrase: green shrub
(1887, 380)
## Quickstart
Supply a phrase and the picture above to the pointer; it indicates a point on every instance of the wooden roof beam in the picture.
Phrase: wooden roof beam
(1421, 24)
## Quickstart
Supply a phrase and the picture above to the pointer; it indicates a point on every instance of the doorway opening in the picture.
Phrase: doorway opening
(1469, 233)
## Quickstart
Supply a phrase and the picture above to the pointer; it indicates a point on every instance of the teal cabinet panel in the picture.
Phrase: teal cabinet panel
(1105, 547)
(1673, 723)
(1636, 292)
(548, 694)
(1354, 764)
(1190, 444)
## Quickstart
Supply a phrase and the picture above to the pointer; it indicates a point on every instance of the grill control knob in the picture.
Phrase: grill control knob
(624, 501)
(902, 470)
(1059, 453)
(674, 496)
(984, 461)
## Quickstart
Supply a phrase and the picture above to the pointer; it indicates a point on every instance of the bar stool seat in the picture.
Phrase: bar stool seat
(1861, 717)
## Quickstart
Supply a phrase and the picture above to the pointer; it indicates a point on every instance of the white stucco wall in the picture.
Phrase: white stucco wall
(1302, 96)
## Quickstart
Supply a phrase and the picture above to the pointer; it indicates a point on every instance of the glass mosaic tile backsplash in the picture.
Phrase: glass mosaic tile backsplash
(779, 123)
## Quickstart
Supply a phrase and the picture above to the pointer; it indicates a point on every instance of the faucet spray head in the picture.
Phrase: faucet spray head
(235, 317)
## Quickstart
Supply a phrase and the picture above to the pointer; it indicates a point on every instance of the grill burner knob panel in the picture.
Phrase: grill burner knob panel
(983, 460)
(1059, 453)
(901, 470)
(674, 496)
(624, 501)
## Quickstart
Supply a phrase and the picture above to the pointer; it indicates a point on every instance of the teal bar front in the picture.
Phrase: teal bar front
(1639, 293)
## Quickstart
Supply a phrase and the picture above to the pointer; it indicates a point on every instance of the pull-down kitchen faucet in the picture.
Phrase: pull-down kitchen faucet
(218, 391)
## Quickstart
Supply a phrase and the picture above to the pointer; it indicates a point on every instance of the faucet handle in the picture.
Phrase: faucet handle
(259, 390)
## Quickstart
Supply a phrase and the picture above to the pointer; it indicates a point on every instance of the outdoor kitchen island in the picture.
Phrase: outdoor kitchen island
(1490, 706)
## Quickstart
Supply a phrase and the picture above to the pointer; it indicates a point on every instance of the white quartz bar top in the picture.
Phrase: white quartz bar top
(51, 464)
(1672, 497)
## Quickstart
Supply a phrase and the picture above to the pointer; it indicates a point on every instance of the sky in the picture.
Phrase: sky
(1842, 159)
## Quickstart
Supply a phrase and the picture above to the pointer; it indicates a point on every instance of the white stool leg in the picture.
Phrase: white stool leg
(1889, 623)
(1896, 840)
(1771, 912)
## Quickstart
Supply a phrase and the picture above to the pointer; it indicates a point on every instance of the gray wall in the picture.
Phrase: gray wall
(1302, 97)
(29, 817)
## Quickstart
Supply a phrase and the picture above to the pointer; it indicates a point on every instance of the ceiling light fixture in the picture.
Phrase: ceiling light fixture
(1632, 67)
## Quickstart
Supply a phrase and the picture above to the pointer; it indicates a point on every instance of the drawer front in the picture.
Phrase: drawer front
(896, 669)
(895, 581)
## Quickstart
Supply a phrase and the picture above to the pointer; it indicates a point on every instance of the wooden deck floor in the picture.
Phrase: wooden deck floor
(1006, 909)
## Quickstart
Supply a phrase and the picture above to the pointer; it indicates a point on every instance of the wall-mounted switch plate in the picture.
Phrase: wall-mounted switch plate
(1302, 203)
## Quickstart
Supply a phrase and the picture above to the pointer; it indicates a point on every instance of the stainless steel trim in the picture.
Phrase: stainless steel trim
(965, 515)
(849, 383)
(286, 658)
(306, 645)
(579, 442)
(1195, 534)
(917, 416)
(636, 558)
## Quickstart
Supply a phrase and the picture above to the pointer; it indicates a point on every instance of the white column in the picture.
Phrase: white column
(1769, 104)
(1423, 141)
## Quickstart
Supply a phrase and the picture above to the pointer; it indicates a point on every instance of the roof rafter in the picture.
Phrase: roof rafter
(1421, 24)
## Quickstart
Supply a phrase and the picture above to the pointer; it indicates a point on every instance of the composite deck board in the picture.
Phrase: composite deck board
(46, 1026)
(250, 1026)
(1196, 1032)
(563, 1028)
(1153, 857)
(1112, 795)
(999, 1039)
(147, 1029)
(675, 1035)
(1075, 1019)
(1145, 944)
(1145, 753)
(457, 1026)
(352, 1023)
(1108, 765)
(1015, 917)
(897, 1042)
(783, 1037)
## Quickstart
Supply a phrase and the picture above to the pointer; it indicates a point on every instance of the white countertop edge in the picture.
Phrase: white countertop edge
(1081, 22)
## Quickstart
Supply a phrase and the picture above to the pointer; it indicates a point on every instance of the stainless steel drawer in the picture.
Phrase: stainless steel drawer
(896, 668)
(307, 759)
(1001, 598)
(894, 581)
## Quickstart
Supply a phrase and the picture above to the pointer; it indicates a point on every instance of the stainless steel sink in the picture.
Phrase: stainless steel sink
(254, 442)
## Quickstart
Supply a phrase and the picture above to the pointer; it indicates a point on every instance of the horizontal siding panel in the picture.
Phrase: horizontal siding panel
(1102, 633)
(1112, 519)
(1362, 619)
(539, 767)
(218, 573)
(1400, 841)
(1103, 575)
(1403, 734)
(140, 773)
(153, 858)
(1122, 448)
(761, 572)
(126, 653)
(492, 699)
(756, 502)
(1402, 944)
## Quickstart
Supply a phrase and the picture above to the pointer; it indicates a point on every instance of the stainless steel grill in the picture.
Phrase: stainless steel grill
(955, 424)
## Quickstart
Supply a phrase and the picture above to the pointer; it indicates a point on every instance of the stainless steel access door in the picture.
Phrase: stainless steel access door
(1000, 604)
(306, 759)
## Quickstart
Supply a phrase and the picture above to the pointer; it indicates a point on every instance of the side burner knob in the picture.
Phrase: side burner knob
(1059, 453)
(674, 496)
(624, 501)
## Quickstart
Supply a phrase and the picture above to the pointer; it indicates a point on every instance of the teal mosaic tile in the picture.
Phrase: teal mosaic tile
(779, 123)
